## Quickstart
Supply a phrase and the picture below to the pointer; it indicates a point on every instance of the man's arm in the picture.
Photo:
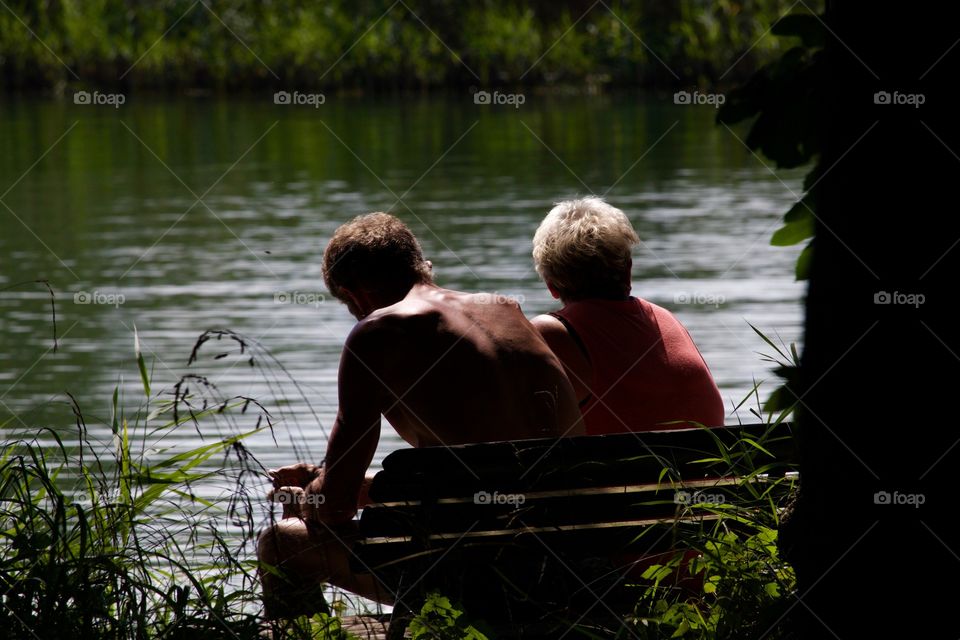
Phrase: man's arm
(291, 481)
(356, 432)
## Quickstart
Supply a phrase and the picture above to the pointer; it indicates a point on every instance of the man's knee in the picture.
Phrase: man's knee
(293, 546)
(291, 581)
(268, 546)
(280, 541)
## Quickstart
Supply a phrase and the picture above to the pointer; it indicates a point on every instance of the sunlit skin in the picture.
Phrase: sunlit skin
(575, 363)
(444, 368)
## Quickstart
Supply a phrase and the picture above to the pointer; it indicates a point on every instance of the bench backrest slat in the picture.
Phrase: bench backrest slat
(570, 463)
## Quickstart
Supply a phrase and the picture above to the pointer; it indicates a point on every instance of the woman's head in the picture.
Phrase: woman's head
(582, 249)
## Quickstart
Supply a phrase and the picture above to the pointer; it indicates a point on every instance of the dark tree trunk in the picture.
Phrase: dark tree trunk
(880, 380)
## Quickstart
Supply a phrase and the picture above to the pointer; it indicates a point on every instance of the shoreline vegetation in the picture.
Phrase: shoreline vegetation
(217, 46)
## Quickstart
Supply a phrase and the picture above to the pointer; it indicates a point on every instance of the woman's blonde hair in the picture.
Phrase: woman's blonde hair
(582, 249)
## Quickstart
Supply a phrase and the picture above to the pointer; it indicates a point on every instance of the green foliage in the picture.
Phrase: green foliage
(321, 626)
(784, 398)
(440, 620)
(104, 540)
(746, 589)
(378, 43)
(798, 223)
(728, 580)
(785, 101)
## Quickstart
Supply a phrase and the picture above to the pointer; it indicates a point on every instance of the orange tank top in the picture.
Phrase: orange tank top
(646, 369)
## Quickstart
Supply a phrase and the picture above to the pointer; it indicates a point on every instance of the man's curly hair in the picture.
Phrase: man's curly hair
(373, 251)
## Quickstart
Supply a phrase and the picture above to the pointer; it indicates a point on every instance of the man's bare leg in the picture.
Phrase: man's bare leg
(309, 556)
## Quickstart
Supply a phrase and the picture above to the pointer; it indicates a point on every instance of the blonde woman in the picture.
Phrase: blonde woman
(632, 364)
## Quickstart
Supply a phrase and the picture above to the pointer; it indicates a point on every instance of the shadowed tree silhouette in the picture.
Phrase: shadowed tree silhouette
(882, 343)
(871, 540)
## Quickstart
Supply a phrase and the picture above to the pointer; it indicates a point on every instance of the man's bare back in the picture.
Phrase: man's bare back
(456, 368)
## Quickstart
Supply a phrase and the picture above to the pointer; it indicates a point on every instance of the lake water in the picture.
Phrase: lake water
(184, 215)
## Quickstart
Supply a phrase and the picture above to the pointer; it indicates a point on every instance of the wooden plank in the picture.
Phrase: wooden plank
(555, 493)
(419, 518)
(600, 539)
(587, 447)
(526, 465)
(365, 627)
(556, 511)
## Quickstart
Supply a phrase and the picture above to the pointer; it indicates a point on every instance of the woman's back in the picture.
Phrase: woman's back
(645, 369)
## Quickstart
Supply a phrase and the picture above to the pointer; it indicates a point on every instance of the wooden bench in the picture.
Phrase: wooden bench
(536, 532)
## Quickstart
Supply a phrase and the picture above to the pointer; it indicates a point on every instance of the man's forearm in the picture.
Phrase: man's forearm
(330, 502)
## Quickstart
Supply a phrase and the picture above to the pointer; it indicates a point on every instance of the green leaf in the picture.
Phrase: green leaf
(745, 102)
(756, 444)
(114, 424)
(664, 471)
(799, 224)
(772, 589)
(140, 363)
(803, 208)
(781, 398)
(813, 177)
(651, 571)
(788, 124)
(681, 630)
(803, 262)
(793, 233)
(766, 339)
(789, 372)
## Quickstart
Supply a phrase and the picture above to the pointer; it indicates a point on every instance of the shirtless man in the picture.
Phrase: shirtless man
(443, 367)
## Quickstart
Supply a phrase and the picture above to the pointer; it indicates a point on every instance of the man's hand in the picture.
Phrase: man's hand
(294, 475)
(290, 488)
